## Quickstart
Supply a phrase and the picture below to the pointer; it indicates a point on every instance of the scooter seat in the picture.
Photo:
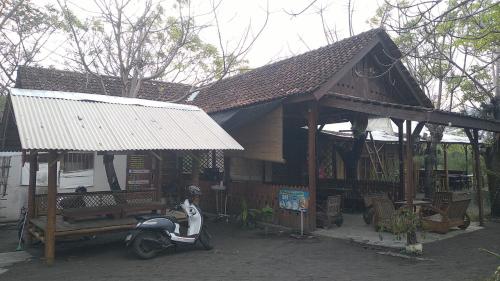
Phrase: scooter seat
(154, 216)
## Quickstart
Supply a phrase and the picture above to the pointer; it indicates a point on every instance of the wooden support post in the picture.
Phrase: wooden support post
(159, 180)
(214, 159)
(479, 178)
(50, 231)
(466, 159)
(312, 122)
(474, 140)
(31, 194)
(195, 168)
(446, 172)
(409, 166)
(399, 123)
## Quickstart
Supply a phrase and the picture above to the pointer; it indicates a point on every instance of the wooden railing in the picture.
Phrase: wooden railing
(356, 189)
(95, 199)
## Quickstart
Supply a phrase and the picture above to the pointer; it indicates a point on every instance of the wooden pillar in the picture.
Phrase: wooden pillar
(214, 159)
(466, 159)
(312, 123)
(31, 194)
(479, 179)
(195, 168)
(159, 175)
(446, 173)
(399, 123)
(50, 231)
(409, 166)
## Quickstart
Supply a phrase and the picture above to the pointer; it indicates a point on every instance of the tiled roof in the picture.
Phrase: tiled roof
(296, 75)
(38, 78)
(300, 74)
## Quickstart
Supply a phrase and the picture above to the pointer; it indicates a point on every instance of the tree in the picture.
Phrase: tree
(140, 41)
(441, 43)
(24, 31)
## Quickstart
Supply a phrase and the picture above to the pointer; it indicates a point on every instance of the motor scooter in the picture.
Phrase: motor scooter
(155, 233)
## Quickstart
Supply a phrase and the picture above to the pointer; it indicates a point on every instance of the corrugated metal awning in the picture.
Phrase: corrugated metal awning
(48, 120)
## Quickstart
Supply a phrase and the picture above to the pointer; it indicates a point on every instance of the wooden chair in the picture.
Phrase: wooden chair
(454, 215)
(441, 200)
(330, 212)
(384, 213)
(368, 200)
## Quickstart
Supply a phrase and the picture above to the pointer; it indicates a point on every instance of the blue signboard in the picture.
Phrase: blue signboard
(296, 200)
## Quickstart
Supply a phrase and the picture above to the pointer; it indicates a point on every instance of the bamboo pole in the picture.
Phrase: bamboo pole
(50, 230)
(312, 123)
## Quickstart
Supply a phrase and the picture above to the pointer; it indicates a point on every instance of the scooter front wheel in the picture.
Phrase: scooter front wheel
(205, 240)
(143, 247)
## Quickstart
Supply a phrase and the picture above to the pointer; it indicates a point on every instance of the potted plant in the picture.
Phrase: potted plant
(249, 217)
(406, 223)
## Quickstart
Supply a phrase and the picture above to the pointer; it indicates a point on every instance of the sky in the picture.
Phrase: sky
(287, 35)
(283, 36)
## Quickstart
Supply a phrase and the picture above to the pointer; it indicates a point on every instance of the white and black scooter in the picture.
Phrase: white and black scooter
(155, 233)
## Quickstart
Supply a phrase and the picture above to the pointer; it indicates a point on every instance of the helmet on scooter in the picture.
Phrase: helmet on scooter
(193, 190)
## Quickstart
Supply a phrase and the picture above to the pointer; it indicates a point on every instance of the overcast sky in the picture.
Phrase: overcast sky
(283, 36)
(286, 35)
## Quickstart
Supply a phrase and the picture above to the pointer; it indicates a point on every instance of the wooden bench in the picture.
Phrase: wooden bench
(134, 209)
(454, 215)
(86, 213)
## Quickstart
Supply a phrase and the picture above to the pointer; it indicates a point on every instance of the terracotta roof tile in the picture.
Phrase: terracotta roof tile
(38, 78)
(296, 75)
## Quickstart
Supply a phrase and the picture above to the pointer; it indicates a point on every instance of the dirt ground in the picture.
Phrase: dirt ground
(248, 255)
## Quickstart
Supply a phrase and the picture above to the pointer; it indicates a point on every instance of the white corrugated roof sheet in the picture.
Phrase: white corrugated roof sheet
(74, 121)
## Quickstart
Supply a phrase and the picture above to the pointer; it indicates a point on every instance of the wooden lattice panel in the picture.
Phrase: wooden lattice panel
(94, 199)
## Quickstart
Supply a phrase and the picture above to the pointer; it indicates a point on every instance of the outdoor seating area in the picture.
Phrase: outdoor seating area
(442, 217)
(453, 215)
(354, 229)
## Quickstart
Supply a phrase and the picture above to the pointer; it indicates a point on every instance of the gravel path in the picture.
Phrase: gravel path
(248, 255)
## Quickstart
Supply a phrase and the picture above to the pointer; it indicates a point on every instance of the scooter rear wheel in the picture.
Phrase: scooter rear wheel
(205, 240)
(143, 248)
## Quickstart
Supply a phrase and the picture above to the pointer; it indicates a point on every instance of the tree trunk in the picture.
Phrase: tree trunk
(436, 132)
(109, 167)
(429, 159)
(493, 153)
(351, 157)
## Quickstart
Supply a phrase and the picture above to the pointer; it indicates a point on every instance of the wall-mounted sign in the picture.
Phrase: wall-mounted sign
(296, 200)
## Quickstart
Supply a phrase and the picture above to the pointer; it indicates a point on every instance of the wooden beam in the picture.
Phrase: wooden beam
(409, 166)
(410, 113)
(416, 132)
(312, 171)
(50, 230)
(31, 193)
